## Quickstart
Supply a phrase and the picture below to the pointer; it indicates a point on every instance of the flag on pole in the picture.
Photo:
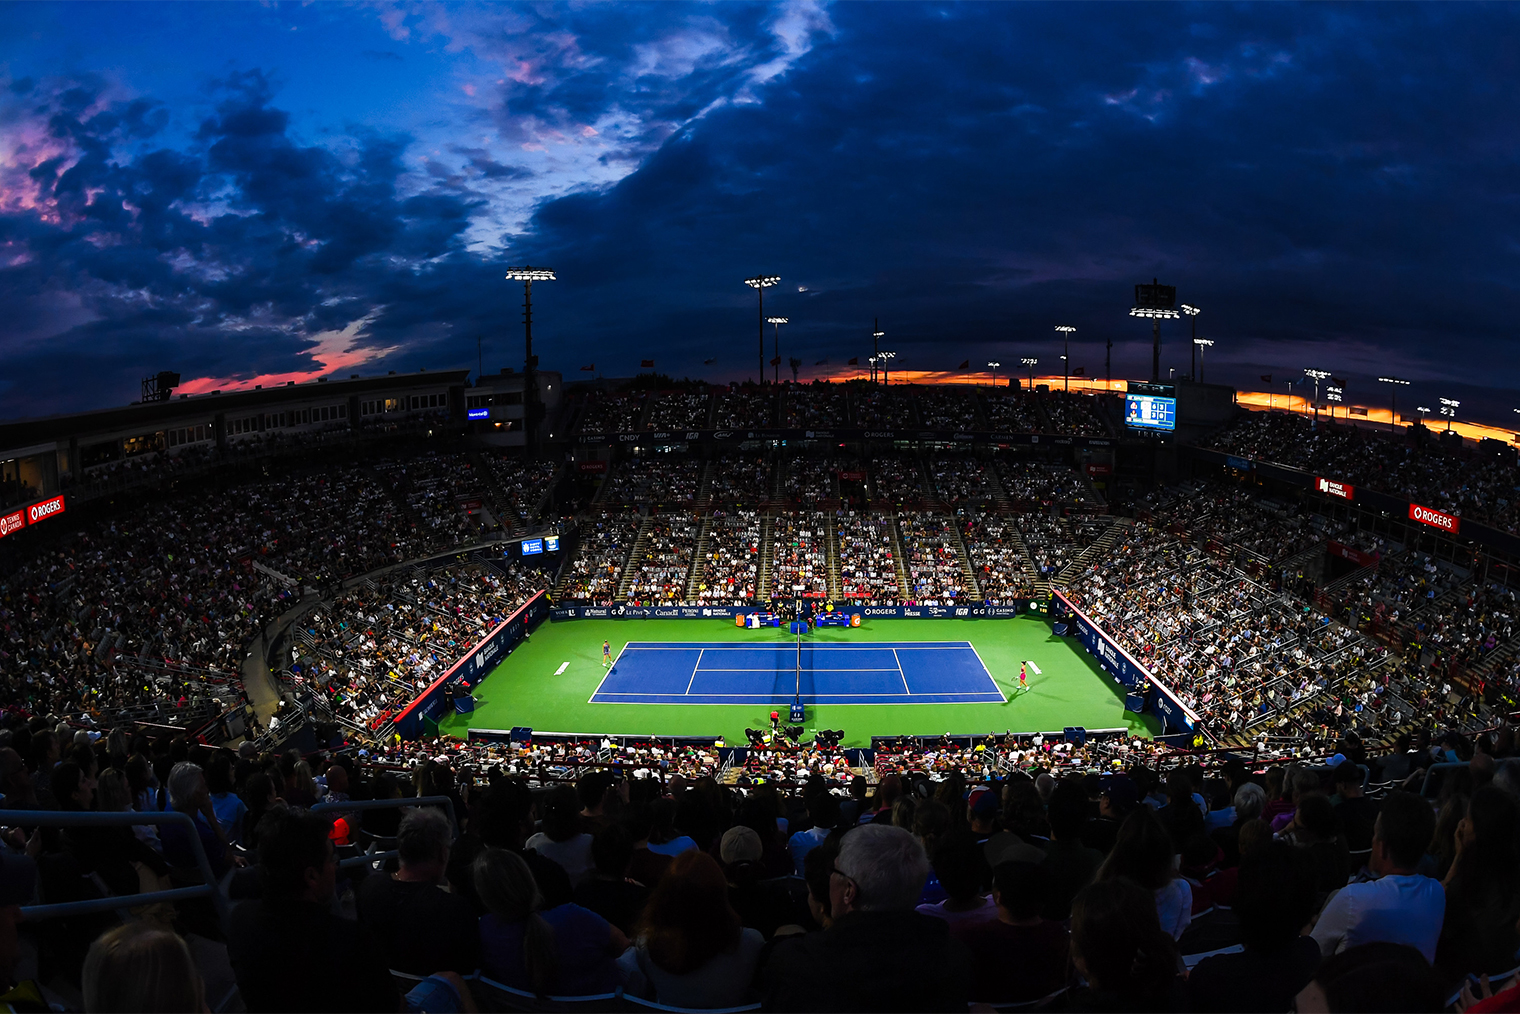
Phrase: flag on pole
(647, 364)
(588, 369)
(1266, 378)
(1079, 371)
(855, 361)
(774, 362)
(1337, 381)
(964, 366)
(821, 362)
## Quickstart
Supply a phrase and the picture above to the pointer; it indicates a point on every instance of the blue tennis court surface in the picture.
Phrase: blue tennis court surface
(890, 672)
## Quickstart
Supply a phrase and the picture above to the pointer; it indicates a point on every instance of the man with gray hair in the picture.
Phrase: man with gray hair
(422, 927)
(912, 963)
(189, 795)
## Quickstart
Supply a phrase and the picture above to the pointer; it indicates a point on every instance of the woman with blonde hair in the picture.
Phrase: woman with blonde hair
(140, 966)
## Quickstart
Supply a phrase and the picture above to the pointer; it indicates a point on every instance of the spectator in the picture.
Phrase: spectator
(18, 886)
(1021, 955)
(1274, 900)
(1069, 865)
(1478, 934)
(1117, 799)
(1355, 813)
(873, 887)
(1401, 906)
(1119, 947)
(823, 812)
(1372, 978)
(961, 868)
(595, 791)
(608, 891)
(1143, 854)
(338, 964)
(562, 839)
(691, 949)
(1313, 828)
(565, 950)
(1250, 799)
(141, 967)
(422, 928)
(663, 838)
(189, 795)
(226, 804)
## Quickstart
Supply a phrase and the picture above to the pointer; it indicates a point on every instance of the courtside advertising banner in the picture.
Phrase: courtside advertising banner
(966, 612)
(44, 509)
(1331, 487)
(12, 522)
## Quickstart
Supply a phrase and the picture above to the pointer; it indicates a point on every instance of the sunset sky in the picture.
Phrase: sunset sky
(252, 193)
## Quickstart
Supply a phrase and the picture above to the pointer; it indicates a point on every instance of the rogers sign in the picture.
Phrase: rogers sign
(1434, 519)
(45, 509)
(1332, 488)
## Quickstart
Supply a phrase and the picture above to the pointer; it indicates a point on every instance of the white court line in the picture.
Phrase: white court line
(902, 674)
(810, 669)
(607, 673)
(987, 672)
(694, 670)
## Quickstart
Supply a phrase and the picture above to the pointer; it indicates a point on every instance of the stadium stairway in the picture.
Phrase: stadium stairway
(1031, 572)
(836, 584)
(630, 563)
(767, 556)
(699, 555)
(968, 572)
(1098, 549)
(704, 486)
(899, 560)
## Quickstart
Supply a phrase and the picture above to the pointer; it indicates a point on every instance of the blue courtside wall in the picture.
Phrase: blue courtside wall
(966, 612)
(473, 667)
(1122, 666)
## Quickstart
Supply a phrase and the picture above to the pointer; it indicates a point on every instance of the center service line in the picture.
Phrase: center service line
(694, 670)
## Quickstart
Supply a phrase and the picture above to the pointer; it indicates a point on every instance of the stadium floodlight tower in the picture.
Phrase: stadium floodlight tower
(886, 361)
(776, 347)
(1157, 302)
(1066, 333)
(994, 364)
(1449, 410)
(527, 274)
(1393, 400)
(1424, 411)
(1317, 376)
(1031, 362)
(872, 361)
(1200, 344)
(1192, 313)
(760, 283)
(877, 334)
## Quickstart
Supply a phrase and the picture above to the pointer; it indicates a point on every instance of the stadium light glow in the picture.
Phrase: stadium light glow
(760, 283)
(994, 364)
(1199, 344)
(1156, 302)
(1449, 410)
(886, 358)
(1317, 376)
(776, 346)
(1192, 312)
(1393, 402)
(877, 334)
(528, 274)
(1030, 362)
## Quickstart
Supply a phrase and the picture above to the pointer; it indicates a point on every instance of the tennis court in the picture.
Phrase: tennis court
(717, 672)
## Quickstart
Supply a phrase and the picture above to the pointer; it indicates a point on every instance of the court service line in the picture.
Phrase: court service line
(901, 673)
(694, 669)
(987, 672)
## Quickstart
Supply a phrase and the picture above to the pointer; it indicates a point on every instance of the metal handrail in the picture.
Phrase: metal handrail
(128, 818)
(350, 806)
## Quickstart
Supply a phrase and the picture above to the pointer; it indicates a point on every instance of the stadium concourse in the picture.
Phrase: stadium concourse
(1108, 713)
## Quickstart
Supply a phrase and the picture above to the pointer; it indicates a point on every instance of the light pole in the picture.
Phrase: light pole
(1066, 333)
(995, 366)
(1317, 375)
(1192, 312)
(1199, 344)
(872, 361)
(877, 334)
(1030, 362)
(1424, 411)
(760, 283)
(776, 348)
(1393, 400)
(1332, 395)
(1155, 301)
(1449, 410)
(527, 274)
(885, 358)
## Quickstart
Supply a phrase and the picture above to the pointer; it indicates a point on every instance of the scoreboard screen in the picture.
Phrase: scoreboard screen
(1148, 412)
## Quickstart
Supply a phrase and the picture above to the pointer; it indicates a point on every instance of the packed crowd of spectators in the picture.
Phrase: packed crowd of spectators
(744, 407)
(962, 479)
(867, 567)
(947, 408)
(662, 565)
(655, 478)
(730, 572)
(800, 556)
(1012, 410)
(524, 484)
(679, 410)
(1033, 483)
(932, 557)
(819, 405)
(1075, 414)
(883, 408)
(596, 570)
(435, 488)
(740, 479)
(810, 479)
(1049, 541)
(612, 413)
(897, 478)
(998, 557)
(1473, 483)
(376, 646)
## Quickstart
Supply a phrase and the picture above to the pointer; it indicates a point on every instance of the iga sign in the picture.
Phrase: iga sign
(1434, 519)
(12, 522)
(47, 508)
(1332, 488)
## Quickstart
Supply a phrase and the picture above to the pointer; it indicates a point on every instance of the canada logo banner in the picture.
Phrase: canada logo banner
(1434, 519)
(12, 522)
